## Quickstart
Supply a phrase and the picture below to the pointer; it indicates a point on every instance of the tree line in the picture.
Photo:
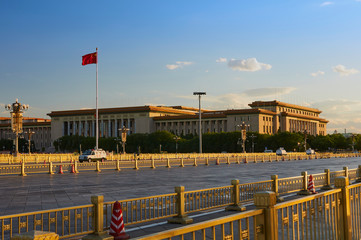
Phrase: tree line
(163, 141)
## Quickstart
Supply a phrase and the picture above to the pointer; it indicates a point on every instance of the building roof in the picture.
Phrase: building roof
(304, 117)
(249, 111)
(119, 110)
(204, 116)
(282, 104)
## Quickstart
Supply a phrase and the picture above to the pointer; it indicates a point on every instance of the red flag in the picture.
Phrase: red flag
(90, 58)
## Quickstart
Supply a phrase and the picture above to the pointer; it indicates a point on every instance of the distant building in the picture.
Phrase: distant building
(266, 117)
(41, 127)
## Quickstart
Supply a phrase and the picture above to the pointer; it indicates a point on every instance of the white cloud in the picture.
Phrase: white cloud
(179, 64)
(172, 66)
(326, 4)
(318, 73)
(341, 69)
(248, 65)
(266, 92)
(219, 60)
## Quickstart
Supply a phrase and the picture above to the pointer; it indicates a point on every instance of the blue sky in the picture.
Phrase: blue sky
(158, 52)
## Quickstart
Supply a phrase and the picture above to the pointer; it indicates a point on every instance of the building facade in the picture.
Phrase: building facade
(40, 126)
(265, 117)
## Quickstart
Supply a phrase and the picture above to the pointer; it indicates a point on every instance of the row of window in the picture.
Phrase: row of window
(283, 109)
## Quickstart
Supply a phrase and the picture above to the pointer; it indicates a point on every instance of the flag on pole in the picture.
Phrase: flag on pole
(89, 58)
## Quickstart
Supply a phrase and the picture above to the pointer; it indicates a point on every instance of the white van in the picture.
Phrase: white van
(310, 151)
(281, 151)
(92, 155)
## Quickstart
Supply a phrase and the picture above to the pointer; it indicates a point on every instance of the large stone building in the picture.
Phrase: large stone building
(40, 127)
(264, 117)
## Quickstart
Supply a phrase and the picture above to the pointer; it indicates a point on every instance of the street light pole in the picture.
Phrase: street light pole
(29, 133)
(305, 132)
(17, 120)
(124, 136)
(200, 119)
(243, 127)
(176, 138)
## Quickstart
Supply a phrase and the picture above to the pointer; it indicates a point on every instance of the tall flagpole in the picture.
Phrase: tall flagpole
(96, 107)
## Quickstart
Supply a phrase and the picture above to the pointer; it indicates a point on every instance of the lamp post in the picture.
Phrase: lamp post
(200, 119)
(252, 137)
(305, 133)
(17, 120)
(29, 133)
(124, 131)
(243, 127)
(176, 138)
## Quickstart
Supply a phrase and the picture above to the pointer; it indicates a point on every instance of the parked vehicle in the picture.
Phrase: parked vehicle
(268, 151)
(310, 151)
(92, 155)
(281, 151)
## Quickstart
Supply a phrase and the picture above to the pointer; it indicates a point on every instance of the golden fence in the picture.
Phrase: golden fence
(331, 215)
(72, 221)
(295, 218)
(46, 163)
(250, 157)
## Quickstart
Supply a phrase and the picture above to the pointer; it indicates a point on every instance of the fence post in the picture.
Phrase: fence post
(182, 164)
(153, 165)
(168, 163)
(275, 188)
(76, 167)
(98, 167)
(117, 168)
(236, 206)
(304, 190)
(180, 208)
(328, 180)
(267, 200)
(207, 159)
(98, 220)
(135, 163)
(195, 162)
(237, 159)
(23, 169)
(345, 209)
(51, 168)
(346, 171)
(358, 174)
(228, 160)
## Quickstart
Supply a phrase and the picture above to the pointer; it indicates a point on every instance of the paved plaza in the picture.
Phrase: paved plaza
(43, 191)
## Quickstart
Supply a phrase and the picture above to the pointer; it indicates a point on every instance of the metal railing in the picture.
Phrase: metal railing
(74, 221)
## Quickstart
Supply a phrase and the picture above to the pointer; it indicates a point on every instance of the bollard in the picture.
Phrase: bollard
(182, 163)
(23, 169)
(98, 167)
(180, 208)
(168, 163)
(153, 165)
(236, 206)
(135, 163)
(76, 167)
(51, 168)
(117, 168)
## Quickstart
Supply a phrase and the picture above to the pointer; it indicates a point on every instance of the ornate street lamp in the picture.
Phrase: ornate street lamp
(200, 119)
(17, 120)
(243, 127)
(124, 131)
(305, 133)
(29, 133)
(176, 138)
